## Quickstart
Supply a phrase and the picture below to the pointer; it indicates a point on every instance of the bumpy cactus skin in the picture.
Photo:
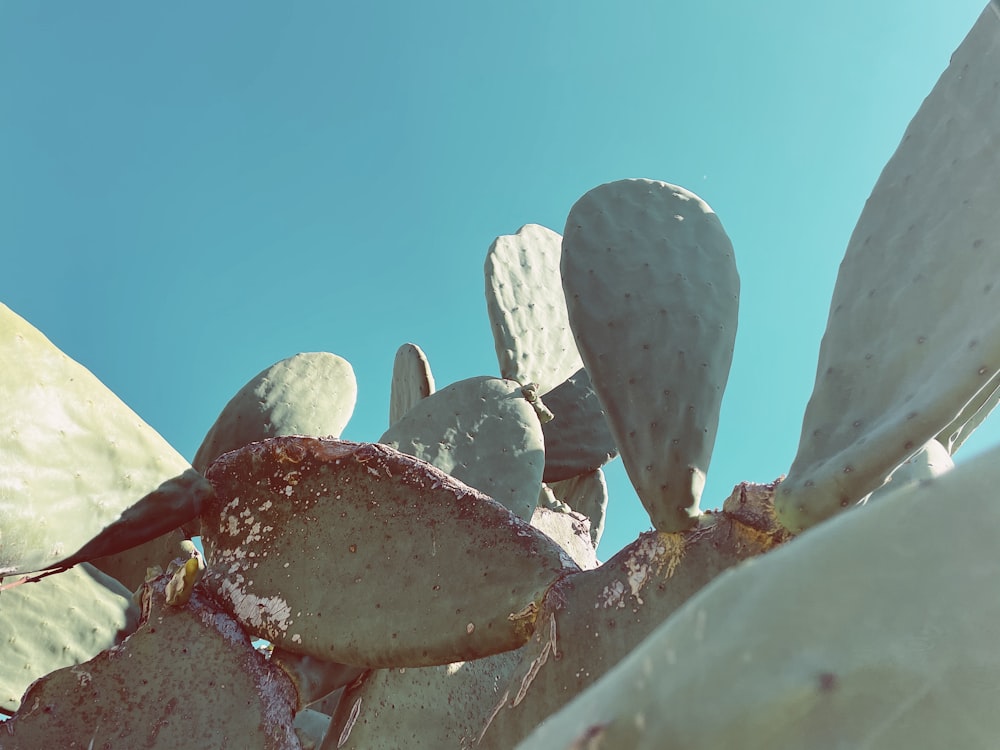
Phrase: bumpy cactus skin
(62, 620)
(527, 310)
(913, 338)
(309, 394)
(653, 293)
(483, 432)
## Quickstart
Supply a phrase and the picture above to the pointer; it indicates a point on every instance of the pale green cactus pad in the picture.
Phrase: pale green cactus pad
(913, 336)
(876, 630)
(392, 546)
(56, 622)
(527, 309)
(312, 393)
(591, 620)
(150, 691)
(483, 432)
(77, 460)
(577, 439)
(586, 494)
(412, 381)
(653, 293)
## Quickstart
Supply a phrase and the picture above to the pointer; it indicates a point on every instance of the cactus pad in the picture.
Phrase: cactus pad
(913, 337)
(412, 380)
(577, 439)
(56, 622)
(482, 431)
(527, 310)
(309, 394)
(652, 292)
(359, 554)
(76, 460)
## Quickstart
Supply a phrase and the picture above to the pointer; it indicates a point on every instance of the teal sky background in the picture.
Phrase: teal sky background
(190, 192)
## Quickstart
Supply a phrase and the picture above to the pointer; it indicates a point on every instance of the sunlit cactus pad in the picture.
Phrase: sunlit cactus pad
(75, 458)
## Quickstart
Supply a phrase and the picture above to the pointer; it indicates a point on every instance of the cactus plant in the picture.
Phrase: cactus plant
(440, 587)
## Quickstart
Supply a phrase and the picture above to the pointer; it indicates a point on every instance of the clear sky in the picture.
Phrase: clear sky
(190, 192)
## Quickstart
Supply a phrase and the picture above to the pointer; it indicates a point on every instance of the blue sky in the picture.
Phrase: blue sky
(190, 192)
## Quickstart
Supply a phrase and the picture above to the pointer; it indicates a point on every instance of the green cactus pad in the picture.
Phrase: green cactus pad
(527, 310)
(77, 460)
(309, 394)
(482, 431)
(188, 677)
(913, 336)
(878, 629)
(577, 439)
(56, 622)
(412, 380)
(586, 494)
(653, 293)
(591, 620)
(359, 554)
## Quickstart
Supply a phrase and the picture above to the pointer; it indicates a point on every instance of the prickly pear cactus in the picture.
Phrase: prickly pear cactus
(653, 293)
(408, 601)
(526, 308)
(60, 621)
(308, 394)
(412, 381)
(77, 461)
(394, 537)
(912, 345)
(891, 645)
(188, 677)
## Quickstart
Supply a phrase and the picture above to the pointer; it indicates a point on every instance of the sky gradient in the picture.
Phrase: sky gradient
(191, 192)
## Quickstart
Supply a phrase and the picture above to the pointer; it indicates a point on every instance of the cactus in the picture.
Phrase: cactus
(407, 599)
(892, 645)
(412, 380)
(912, 344)
(531, 329)
(652, 292)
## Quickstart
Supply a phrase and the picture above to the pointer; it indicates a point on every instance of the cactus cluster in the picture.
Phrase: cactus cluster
(440, 587)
